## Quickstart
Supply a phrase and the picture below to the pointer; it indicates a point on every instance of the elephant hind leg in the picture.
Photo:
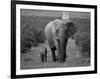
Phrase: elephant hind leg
(53, 53)
(42, 57)
(45, 53)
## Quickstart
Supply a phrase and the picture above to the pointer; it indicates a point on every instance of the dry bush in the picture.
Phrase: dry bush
(82, 40)
(30, 36)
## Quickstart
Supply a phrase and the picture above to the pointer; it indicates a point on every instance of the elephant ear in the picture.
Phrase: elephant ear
(71, 28)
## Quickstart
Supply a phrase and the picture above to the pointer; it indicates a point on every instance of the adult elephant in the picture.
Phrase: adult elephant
(57, 33)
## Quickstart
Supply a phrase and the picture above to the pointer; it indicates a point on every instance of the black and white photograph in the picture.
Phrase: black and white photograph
(54, 39)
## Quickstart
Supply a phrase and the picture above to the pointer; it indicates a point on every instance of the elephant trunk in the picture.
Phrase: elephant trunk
(62, 50)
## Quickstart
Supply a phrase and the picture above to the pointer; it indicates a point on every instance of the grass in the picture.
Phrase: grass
(31, 60)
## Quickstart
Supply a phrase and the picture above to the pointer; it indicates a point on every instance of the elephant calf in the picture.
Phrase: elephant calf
(43, 54)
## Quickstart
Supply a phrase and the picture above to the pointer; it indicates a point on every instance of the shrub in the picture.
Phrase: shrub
(32, 30)
(30, 36)
(82, 40)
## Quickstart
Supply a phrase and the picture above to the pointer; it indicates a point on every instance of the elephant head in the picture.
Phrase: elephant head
(58, 34)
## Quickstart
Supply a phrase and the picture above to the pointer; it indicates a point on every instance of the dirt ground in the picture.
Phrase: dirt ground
(31, 60)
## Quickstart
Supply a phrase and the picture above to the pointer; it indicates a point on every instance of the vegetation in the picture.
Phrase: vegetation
(82, 37)
(82, 40)
(32, 32)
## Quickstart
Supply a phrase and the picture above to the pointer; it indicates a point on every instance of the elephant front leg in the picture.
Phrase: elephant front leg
(53, 54)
